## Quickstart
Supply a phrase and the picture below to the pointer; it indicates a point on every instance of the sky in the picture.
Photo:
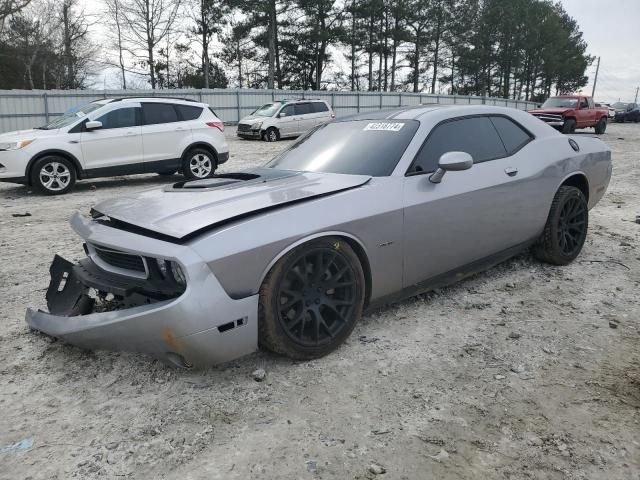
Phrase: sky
(611, 29)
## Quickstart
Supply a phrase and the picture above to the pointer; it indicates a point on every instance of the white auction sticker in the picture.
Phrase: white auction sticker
(384, 126)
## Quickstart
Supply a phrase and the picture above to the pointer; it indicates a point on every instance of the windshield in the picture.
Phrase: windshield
(560, 102)
(71, 116)
(356, 147)
(620, 106)
(268, 110)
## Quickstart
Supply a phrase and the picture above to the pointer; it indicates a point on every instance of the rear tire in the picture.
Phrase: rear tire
(569, 126)
(53, 175)
(199, 163)
(601, 126)
(311, 299)
(566, 229)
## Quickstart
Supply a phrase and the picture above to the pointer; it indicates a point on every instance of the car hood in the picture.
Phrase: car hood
(252, 119)
(186, 208)
(26, 135)
(557, 111)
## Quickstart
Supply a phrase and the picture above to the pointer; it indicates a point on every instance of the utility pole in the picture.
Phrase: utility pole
(595, 81)
(636, 100)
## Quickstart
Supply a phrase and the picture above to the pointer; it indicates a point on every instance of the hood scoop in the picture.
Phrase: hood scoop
(260, 175)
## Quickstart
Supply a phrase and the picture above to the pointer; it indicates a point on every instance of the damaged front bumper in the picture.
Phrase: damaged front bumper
(195, 324)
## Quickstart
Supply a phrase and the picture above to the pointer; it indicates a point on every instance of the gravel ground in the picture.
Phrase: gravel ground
(527, 371)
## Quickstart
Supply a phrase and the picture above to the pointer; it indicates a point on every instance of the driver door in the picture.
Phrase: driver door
(117, 145)
(473, 214)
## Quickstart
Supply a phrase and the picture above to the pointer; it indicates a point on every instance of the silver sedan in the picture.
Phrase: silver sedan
(358, 213)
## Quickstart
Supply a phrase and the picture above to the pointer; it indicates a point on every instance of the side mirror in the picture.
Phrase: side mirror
(93, 125)
(282, 114)
(451, 162)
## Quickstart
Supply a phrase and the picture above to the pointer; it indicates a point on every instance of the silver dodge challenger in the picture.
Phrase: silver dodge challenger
(356, 214)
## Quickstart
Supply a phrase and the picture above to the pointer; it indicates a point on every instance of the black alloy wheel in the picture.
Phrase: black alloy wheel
(571, 231)
(566, 229)
(317, 297)
(311, 299)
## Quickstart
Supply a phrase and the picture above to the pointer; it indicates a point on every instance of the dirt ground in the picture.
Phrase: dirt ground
(527, 371)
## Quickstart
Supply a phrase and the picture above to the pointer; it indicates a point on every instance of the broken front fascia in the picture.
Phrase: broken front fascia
(186, 327)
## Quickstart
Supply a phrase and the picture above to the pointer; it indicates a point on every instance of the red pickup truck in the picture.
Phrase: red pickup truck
(568, 112)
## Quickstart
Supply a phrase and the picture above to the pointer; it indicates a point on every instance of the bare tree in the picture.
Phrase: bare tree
(209, 17)
(147, 23)
(78, 51)
(10, 7)
(114, 18)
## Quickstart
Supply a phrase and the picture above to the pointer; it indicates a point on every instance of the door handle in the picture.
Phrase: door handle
(130, 133)
(511, 171)
(179, 129)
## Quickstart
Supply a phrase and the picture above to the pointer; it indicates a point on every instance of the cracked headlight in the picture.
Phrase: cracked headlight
(15, 145)
(171, 270)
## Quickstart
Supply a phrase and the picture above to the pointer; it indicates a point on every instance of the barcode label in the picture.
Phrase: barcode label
(384, 126)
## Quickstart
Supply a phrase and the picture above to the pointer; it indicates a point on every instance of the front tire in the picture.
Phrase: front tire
(198, 164)
(566, 229)
(271, 135)
(569, 126)
(601, 126)
(53, 175)
(311, 299)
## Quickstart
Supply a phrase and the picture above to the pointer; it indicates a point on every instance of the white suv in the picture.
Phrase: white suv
(118, 136)
(286, 118)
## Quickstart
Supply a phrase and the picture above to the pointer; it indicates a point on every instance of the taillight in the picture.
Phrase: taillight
(218, 125)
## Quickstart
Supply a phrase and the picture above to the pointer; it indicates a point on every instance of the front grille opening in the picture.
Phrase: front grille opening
(243, 127)
(119, 259)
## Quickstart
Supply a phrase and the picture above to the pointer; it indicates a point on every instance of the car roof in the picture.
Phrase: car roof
(183, 101)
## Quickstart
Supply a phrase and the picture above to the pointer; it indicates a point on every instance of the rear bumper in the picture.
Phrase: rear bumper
(202, 326)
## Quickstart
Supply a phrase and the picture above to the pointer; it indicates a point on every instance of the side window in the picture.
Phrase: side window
(476, 136)
(303, 108)
(319, 107)
(288, 110)
(187, 112)
(120, 118)
(584, 103)
(155, 113)
(513, 135)
(590, 102)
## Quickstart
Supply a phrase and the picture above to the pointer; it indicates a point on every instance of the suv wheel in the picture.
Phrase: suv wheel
(53, 175)
(271, 135)
(199, 163)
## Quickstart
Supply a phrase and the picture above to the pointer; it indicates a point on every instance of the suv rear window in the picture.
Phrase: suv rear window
(320, 107)
(155, 113)
(187, 112)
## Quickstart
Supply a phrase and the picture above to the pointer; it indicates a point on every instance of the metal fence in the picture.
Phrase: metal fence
(20, 109)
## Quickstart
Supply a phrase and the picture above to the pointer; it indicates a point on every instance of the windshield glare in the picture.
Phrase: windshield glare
(560, 102)
(72, 116)
(356, 147)
(268, 110)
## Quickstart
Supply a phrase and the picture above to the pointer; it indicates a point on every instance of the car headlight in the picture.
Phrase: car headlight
(15, 145)
(171, 269)
(256, 126)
